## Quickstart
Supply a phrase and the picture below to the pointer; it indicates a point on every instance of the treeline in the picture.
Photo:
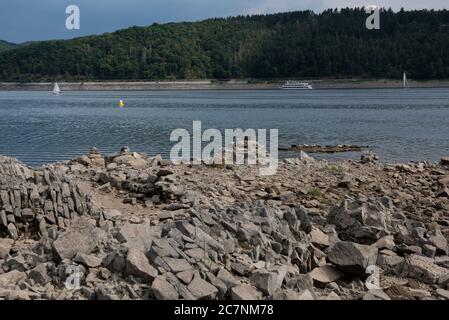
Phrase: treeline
(7, 46)
(302, 44)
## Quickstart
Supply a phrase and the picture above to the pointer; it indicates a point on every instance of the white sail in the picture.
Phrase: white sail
(405, 81)
(56, 89)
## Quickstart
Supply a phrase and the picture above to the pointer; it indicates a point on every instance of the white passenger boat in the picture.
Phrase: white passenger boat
(296, 85)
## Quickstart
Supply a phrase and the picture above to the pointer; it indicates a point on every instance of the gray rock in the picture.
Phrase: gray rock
(429, 250)
(443, 281)
(443, 293)
(368, 157)
(386, 242)
(363, 221)
(376, 294)
(40, 274)
(325, 274)
(302, 282)
(245, 292)
(90, 261)
(163, 290)
(423, 269)
(185, 276)
(303, 216)
(438, 240)
(177, 265)
(352, 258)
(202, 290)
(305, 157)
(306, 295)
(137, 265)
(287, 294)
(162, 248)
(445, 161)
(442, 261)
(229, 280)
(12, 230)
(138, 236)
(111, 214)
(319, 238)
(267, 281)
(333, 296)
(105, 293)
(82, 237)
(10, 279)
(199, 235)
(390, 262)
(5, 247)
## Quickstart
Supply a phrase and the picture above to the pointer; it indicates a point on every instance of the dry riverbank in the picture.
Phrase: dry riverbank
(138, 227)
(215, 85)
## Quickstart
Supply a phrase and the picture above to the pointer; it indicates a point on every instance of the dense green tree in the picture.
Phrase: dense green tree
(334, 43)
(7, 46)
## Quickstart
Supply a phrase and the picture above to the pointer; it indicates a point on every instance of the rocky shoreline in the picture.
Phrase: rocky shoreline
(138, 227)
(315, 148)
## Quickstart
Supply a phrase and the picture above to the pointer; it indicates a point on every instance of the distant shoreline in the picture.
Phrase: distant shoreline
(215, 85)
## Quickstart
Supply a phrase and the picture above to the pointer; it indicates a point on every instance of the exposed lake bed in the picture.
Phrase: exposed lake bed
(138, 227)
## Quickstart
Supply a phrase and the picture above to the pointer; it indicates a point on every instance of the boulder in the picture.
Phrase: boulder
(5, 247)
(163, 290)
(112, 214)
(376, 294)
(11, 279)
(177, 265)
(88, 260)
(445, 161)
(82, 237)
(319, 238)
(138, 236)
(443, 293)
(267, 281)
(369, 157)
(84, 160)
(352, 258)
(133, 160)
(162, 248)
(185, 276)
(137, 265)
(40, 274)
(245, 292)
(202, 290)
(363, 221)
(386, 242)
(333, 296)
(228, 279)
(423, 269)
(438, 240)
(325, 274)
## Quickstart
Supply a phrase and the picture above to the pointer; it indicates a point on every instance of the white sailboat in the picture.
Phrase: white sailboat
(405, 81)
(56, 90)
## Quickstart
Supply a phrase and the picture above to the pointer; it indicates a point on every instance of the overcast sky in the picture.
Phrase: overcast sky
(26, 20)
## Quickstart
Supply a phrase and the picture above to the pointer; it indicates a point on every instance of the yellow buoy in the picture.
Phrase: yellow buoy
(121, 104)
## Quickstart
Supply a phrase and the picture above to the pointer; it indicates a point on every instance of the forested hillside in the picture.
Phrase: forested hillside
(6, 45)
(288, 45)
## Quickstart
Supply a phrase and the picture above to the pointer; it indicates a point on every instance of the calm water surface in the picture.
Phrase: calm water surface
(400, 125)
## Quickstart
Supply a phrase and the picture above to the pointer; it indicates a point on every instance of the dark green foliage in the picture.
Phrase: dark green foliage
(288, 45)
(7, 46)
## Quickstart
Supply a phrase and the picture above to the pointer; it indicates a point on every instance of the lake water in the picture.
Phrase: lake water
(400, 125)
